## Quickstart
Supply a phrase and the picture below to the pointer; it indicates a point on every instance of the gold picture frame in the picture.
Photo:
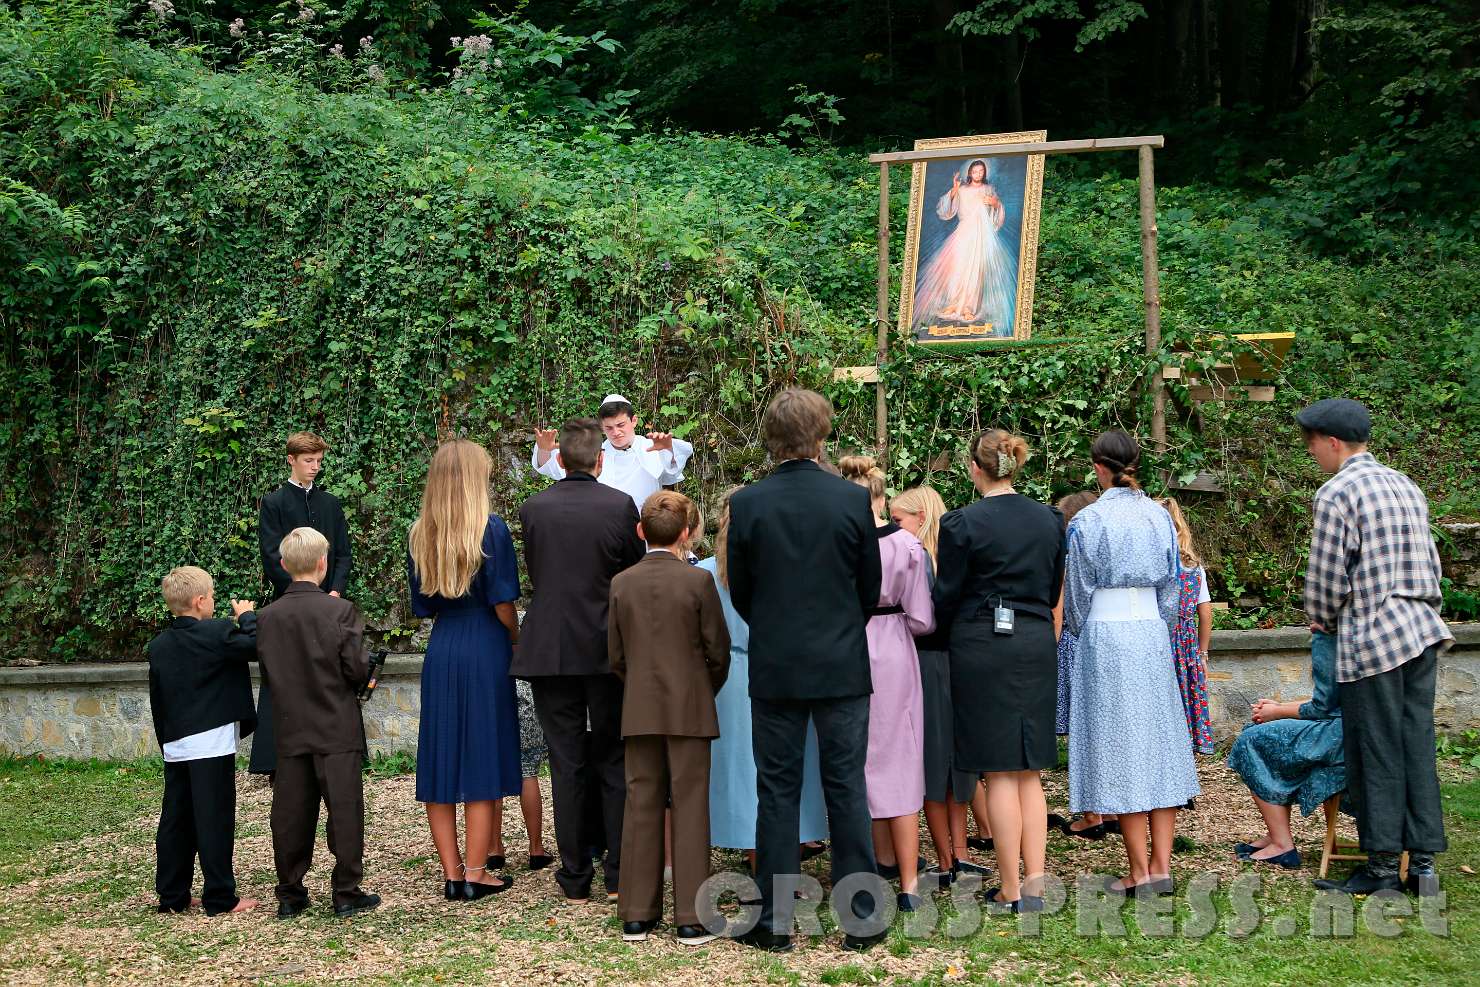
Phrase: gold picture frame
(968, 266)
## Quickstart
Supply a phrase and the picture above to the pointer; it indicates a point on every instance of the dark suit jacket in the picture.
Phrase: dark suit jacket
(578, 534)
(198, 678)
(804, 573)
(312, 649)
(290, 507)
(668, 641)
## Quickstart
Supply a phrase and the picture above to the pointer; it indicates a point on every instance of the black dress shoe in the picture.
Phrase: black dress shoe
(638, 931)
(1423, 882)
(890, 872)
(477, 890)
(810, 850)
(495, 861)
(858, 944)
(453, 890)
(694, 935)
(540, 861)
(766, 941)
(292, 909)
(1362, 881)
(356, 904)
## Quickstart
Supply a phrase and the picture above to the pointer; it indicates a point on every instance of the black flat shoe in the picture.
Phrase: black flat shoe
(1244, 849)
(694, 935)
(495, 861)
(357, 904)
(1111, 826)
(890, 872)
(996, 904)
(453, 890)
(540, 861)
(292, 909)
(1161, 887)
(1094, 833)
(859, 944)
(1361, 881)
(907, 902)
(766, 941)
(638, 931)
(960, 867)
(980, 843)
(477, 890)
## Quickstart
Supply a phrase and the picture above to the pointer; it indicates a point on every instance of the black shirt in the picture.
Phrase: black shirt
(290, 506)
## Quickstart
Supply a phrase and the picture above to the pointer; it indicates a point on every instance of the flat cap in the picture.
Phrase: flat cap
(1340, 418)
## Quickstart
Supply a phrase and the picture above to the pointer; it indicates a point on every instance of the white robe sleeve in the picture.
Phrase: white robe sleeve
(673, 463)
(552, 465)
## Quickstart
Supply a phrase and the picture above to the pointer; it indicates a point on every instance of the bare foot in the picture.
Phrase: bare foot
(194, 902)
(244, 905)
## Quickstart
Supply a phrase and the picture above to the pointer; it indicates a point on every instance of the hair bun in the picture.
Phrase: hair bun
(859, 467)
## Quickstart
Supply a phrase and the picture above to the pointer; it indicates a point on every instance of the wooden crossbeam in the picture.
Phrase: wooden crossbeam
(1203, 482)
(1027, 147)
(1231, 392)
(864, 375)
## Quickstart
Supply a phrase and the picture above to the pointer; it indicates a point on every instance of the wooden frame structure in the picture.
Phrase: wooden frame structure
(1151, 292)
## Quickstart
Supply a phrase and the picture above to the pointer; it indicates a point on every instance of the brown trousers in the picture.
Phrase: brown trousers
(659, 768)
(302, 780)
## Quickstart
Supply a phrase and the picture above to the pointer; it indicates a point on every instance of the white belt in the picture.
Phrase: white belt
(1127, 603)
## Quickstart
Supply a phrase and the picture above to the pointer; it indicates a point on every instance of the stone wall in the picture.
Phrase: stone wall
(102, 710)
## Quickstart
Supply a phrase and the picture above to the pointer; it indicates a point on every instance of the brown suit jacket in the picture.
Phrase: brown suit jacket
(311, 647)
(667, 639)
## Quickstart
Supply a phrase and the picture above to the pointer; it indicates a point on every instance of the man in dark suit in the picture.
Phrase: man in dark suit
(300, 502)
(804, 573)
(312, 646)
(578, 534)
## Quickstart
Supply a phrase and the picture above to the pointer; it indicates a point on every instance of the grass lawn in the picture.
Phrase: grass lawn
(76, 904)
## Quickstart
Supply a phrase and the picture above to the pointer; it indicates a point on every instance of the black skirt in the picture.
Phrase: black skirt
(1004, 690)
(941, 778)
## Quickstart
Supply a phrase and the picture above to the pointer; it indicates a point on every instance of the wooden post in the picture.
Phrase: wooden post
(881, 314)
(1151, 278)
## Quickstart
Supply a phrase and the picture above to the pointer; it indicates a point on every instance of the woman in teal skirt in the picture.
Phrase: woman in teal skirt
(1292, 754)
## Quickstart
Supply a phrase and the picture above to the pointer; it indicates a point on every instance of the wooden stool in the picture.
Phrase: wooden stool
(1333, 847)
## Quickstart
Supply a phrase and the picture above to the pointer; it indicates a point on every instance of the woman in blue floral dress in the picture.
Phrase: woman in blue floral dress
(1192, 634)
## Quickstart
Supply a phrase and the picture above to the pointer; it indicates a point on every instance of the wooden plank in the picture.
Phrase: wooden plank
(1202, 483)
(1027, 147)
(1171, 373)
(1218, 605)
(1222, 392)
(864, 375)
(1270, 351)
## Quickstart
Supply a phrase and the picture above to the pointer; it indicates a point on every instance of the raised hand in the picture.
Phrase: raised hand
(662, 441)
(239, 607)
(546, 439)
(955, 183)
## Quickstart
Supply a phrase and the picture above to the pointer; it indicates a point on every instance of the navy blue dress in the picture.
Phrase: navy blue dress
(468, 743)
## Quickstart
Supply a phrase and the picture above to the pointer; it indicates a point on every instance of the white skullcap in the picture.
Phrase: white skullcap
(614, 397)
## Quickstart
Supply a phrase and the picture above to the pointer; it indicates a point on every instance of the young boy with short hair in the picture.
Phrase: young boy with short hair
(299, 502)
(312, 646)
(200, 695)
(668, 641)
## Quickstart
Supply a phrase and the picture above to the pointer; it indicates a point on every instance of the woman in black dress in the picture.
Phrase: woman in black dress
(1001, 568)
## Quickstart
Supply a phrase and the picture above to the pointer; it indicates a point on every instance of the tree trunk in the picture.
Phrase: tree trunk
(1233, 40)
(1289, 55)
(950, 84)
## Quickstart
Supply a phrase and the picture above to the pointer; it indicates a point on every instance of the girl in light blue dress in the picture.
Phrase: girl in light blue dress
(732, 789)
(1128, 747)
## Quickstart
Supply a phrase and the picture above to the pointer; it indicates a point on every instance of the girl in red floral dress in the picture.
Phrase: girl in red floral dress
(1192, 634)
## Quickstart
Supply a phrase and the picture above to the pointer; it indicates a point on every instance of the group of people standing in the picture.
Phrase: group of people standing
(845, 660)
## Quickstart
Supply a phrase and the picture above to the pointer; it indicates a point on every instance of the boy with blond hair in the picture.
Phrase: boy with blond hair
(200, 695)
(312, 647)
(300, 502)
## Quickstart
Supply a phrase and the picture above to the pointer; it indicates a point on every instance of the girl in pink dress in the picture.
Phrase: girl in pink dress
(895, 765)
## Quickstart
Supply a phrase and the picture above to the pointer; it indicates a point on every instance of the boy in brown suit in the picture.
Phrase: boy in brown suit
(312, 649)
(667, 640)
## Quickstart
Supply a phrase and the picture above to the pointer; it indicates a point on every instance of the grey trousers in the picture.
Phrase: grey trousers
(1388, 724)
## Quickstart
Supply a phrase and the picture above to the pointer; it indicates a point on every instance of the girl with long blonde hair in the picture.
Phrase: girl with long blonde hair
(463, 573)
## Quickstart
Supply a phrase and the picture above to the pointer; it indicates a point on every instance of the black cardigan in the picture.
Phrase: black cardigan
(198, 677)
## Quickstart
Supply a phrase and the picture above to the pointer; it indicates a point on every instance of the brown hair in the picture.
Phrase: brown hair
(923, 500)
(300, 443)
(864, 471)
(182, 584)
(301, 549)
(665, 515)
(446, 541)
(1117, 452)
(722, 538)
(796, 424)
(1186, 546)
(999, 454)
(1071, 504)
(580, 444)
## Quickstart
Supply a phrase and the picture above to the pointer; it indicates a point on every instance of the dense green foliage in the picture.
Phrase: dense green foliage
(201, 260)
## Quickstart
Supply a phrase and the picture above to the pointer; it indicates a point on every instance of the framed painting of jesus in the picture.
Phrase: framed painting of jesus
(971, 246)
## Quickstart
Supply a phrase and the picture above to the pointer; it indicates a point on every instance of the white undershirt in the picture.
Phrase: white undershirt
(215, 742)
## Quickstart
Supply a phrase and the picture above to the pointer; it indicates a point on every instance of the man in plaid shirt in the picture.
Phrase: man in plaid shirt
(1373, 579)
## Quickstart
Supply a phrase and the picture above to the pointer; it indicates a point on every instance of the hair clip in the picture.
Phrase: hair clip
(1005, 463)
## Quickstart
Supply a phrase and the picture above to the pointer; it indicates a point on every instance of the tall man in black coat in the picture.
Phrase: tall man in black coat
(805, 573)
(299, 503)
(578, 534)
